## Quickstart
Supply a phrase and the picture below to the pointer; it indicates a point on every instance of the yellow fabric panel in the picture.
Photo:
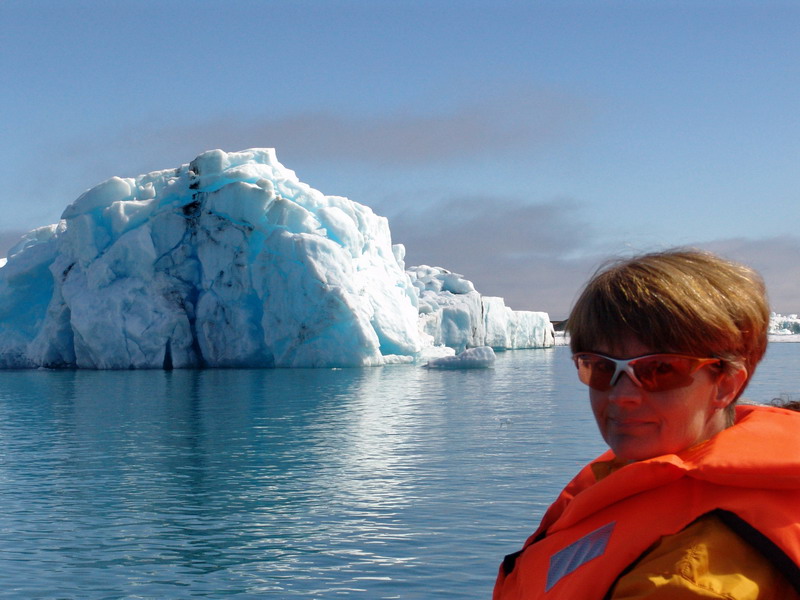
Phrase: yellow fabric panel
(705, 560)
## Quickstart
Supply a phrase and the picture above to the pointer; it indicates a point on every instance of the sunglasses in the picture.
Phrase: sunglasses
(651, 372)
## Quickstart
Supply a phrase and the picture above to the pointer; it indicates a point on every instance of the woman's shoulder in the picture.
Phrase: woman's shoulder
(707, 559)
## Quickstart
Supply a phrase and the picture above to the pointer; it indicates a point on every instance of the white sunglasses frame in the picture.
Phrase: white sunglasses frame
(623, 365)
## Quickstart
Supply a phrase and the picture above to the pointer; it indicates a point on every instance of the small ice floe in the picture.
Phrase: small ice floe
(471, 358)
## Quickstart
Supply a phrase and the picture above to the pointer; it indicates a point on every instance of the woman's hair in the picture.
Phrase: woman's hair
(786, 403)
(682, 300)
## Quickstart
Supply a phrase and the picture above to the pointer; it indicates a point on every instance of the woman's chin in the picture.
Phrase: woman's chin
(632, 448)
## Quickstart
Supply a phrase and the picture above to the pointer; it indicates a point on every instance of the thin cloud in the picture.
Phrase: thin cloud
(520, 119)
(539, 256)
(476, 226)
(535, 256)
(500, 123)
(528, 119)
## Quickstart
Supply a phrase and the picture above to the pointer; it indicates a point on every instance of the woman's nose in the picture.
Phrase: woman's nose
(625, 391)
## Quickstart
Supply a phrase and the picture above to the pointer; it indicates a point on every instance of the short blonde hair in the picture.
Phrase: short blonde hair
(681, 300)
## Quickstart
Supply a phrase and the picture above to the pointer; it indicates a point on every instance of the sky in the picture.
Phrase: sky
(518, 143)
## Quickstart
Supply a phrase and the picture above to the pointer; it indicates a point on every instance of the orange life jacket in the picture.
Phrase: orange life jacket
(749, 475)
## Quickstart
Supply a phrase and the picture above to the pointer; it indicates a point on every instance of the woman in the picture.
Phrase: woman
(696, 498)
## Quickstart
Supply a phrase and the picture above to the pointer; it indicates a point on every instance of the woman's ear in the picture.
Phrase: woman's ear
(729, 384)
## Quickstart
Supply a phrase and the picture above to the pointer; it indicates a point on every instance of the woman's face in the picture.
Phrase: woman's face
(637, 424)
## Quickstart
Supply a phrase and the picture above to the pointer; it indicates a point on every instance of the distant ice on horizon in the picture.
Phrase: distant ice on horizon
(232, 261)
(784, 328)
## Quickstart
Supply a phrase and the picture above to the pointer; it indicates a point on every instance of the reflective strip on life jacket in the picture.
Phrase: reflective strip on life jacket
(565, 561)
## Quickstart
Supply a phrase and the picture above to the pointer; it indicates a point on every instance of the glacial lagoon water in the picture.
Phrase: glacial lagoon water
(394, 482)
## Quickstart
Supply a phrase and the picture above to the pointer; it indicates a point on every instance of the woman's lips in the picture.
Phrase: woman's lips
(629, 422)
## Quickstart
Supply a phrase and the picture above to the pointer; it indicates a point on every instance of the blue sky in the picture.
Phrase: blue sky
(517, 143)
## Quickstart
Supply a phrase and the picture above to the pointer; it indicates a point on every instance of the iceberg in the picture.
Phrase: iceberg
(784, 324)
(232, 261)
(471, 358)
(784, 328)
(455, 315)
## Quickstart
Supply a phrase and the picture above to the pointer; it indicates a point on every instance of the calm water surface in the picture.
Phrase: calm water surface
(395, 482)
